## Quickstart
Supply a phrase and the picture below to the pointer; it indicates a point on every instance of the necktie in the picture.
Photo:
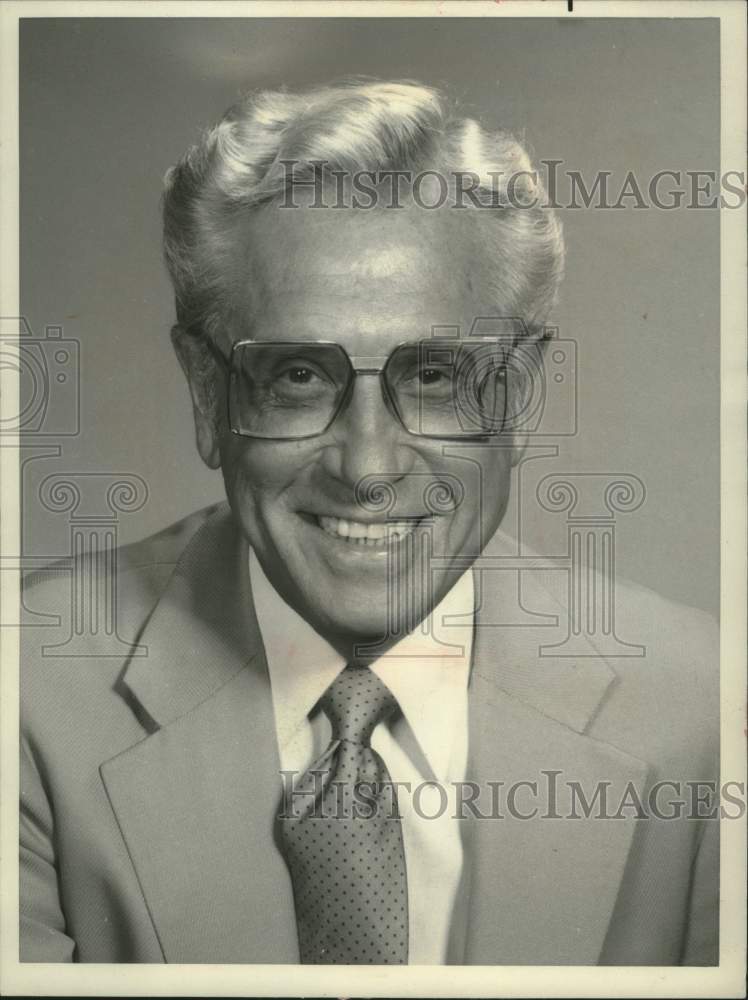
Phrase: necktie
(342, 838)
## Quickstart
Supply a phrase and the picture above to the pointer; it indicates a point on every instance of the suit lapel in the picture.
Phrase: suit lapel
(196, 799)
(540, 890)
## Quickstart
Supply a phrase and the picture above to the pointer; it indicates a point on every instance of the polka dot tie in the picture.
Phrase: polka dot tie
(342, 839)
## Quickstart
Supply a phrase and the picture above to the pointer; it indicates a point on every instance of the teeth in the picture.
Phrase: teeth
(373, 535)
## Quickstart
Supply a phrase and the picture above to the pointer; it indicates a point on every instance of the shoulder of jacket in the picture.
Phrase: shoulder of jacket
(157, 551)
(664, 703)
(143, 570)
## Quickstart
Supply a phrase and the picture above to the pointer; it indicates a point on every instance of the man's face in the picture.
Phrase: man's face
(368, 281)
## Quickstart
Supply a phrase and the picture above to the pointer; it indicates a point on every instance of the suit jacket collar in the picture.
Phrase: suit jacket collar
(537, 890)
(203, 630)
(204, 681)
(516, 658)
(196, 800)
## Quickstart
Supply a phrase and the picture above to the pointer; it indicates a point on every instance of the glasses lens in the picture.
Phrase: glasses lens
(286, 390)
(449, 388)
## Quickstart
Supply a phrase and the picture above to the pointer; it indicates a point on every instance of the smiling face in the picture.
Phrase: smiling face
(367, 281)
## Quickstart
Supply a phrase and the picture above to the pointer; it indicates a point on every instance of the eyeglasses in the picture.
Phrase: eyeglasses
(436, 388)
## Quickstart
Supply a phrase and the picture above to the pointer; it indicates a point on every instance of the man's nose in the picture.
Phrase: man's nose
(367, 439)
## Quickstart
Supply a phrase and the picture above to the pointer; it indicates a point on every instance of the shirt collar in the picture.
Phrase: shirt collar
(427, 670)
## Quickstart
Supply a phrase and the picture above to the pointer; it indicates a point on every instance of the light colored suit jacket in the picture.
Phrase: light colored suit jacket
(150, 781)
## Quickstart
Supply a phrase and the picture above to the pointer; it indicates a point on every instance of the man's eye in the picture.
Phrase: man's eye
(433, 376)
(298, 382)
(299, 375)
(433, 379)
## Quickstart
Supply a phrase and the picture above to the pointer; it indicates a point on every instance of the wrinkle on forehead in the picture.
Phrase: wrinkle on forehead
(395, 262)
(295, 262)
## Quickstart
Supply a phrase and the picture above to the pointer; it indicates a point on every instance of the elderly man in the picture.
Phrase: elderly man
(325, 746)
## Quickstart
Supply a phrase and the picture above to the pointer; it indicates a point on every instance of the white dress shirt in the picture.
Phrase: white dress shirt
(427, 671)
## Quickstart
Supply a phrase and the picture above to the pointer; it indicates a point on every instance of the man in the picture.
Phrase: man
(325, 746)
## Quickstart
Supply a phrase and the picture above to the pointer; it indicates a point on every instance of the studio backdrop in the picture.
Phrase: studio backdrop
(107, 105)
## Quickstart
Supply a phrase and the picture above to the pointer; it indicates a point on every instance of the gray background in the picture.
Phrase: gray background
(108, 104)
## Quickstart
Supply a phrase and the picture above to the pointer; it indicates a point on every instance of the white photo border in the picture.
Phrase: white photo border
(725, 980)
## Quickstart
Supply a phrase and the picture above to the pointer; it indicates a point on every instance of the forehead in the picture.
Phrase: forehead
(367, 279)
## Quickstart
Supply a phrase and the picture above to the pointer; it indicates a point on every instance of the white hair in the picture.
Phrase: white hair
(352, 126)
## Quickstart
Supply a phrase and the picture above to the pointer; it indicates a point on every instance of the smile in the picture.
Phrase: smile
(370, 535)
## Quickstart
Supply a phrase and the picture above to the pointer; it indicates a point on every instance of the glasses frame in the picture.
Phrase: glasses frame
(362, 365)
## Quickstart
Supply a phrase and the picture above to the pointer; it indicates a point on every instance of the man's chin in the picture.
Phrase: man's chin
(363, 636)
(353, 591)
(371, 614)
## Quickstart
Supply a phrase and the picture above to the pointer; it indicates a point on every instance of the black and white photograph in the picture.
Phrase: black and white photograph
(373, 508)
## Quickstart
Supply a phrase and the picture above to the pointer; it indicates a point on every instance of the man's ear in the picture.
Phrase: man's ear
(201, 371)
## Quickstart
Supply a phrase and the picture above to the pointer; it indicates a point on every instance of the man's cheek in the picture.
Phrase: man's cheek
(244, 470)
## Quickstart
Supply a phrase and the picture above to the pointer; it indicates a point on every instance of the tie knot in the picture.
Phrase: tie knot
(355, 703)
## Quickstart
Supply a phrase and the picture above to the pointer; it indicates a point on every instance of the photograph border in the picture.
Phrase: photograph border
(725, 980)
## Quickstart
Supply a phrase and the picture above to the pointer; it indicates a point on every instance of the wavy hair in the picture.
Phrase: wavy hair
(355, 125)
